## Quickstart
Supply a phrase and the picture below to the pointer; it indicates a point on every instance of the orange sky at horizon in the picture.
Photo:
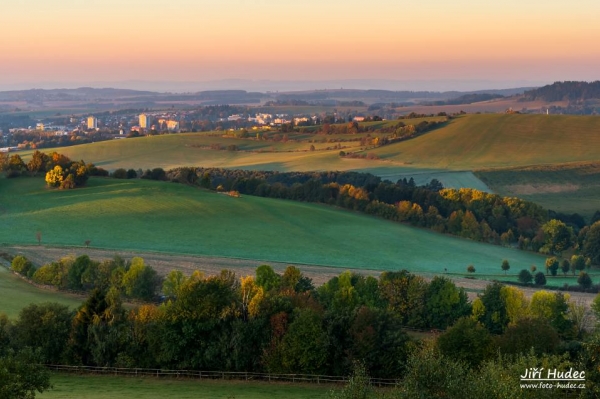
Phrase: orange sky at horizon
(265, 39)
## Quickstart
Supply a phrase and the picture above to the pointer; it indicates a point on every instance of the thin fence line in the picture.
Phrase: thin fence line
(224, 375)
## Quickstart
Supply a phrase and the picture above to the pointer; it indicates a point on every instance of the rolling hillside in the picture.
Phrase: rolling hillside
(468, 142)
(500, 140)
(450, 154)
(168, 217)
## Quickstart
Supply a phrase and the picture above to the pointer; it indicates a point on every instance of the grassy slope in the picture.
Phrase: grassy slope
(168, 217)
(498, 140)
(108, 387)
(185, 150)
(566, 188)
(16, 294)
(182, 150)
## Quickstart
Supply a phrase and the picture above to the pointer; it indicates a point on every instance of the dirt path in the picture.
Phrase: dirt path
(164, 263)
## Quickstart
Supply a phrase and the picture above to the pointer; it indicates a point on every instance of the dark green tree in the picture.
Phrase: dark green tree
(75, 273)
(584, 280)
(22, 375)
(539, 279)
(304, 346)
(45, 327)
(565, 266)
(527, 334)
(445, 303)
(552, 265)
(141, 281)
(591, 244)
(267, 278)
(505, 266)
(525, 276)
(467, 341)
(495, 317)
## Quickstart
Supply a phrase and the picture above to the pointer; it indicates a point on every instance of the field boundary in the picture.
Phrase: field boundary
(214, 375)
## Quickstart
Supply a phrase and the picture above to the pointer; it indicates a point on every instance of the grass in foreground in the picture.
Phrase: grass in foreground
(73, 386)
(15, 294)
(172, 218)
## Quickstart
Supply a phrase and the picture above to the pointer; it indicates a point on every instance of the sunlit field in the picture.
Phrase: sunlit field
(472, 142)
(172, 218)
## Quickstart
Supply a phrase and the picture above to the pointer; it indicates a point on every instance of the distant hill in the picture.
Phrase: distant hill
(561, 91)
(387, 96)
(469, 99)
(81, 94)
(351, 97)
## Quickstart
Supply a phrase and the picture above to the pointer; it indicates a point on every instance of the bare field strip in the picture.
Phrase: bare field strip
(164, 263)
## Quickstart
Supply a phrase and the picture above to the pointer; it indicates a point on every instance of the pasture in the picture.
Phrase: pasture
(171, 218)
(500, 140)
(15, 294)
(74, 386)
(568, 188)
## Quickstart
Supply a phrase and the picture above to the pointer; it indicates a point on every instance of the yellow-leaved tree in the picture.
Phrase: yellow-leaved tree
(55, 176)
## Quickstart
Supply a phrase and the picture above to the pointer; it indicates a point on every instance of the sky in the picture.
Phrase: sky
(501, 43)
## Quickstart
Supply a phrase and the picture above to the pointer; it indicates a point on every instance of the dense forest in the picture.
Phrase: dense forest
(560, 91)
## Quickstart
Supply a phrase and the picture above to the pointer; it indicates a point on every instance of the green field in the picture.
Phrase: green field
(15, 294)
(565, 188)
(169, 217)
(72, 386)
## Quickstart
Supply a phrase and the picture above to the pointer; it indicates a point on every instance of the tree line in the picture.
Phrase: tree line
(568, 90)
(282, 323)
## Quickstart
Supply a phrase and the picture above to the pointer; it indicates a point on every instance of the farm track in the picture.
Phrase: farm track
(163, 263)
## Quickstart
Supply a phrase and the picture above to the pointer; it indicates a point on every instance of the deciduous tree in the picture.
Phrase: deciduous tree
(505, 266)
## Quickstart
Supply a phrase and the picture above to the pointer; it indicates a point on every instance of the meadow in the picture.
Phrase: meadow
(15, 294)
(73, 386)
(173, 218)
(568, 188)
(472, 142)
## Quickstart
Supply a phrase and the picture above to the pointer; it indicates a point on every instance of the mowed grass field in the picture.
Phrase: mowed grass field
(15, 294)
(172, 218)
(565, 188)
(72, 386)
(472, 142)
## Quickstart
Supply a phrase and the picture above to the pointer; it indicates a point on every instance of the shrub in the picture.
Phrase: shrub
(21, 265)
(525, 276)
(540, 279)
(120, 174)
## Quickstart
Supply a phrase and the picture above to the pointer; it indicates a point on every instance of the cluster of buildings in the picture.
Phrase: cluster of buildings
(159, 123)
(146, 122)
(276, 120)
